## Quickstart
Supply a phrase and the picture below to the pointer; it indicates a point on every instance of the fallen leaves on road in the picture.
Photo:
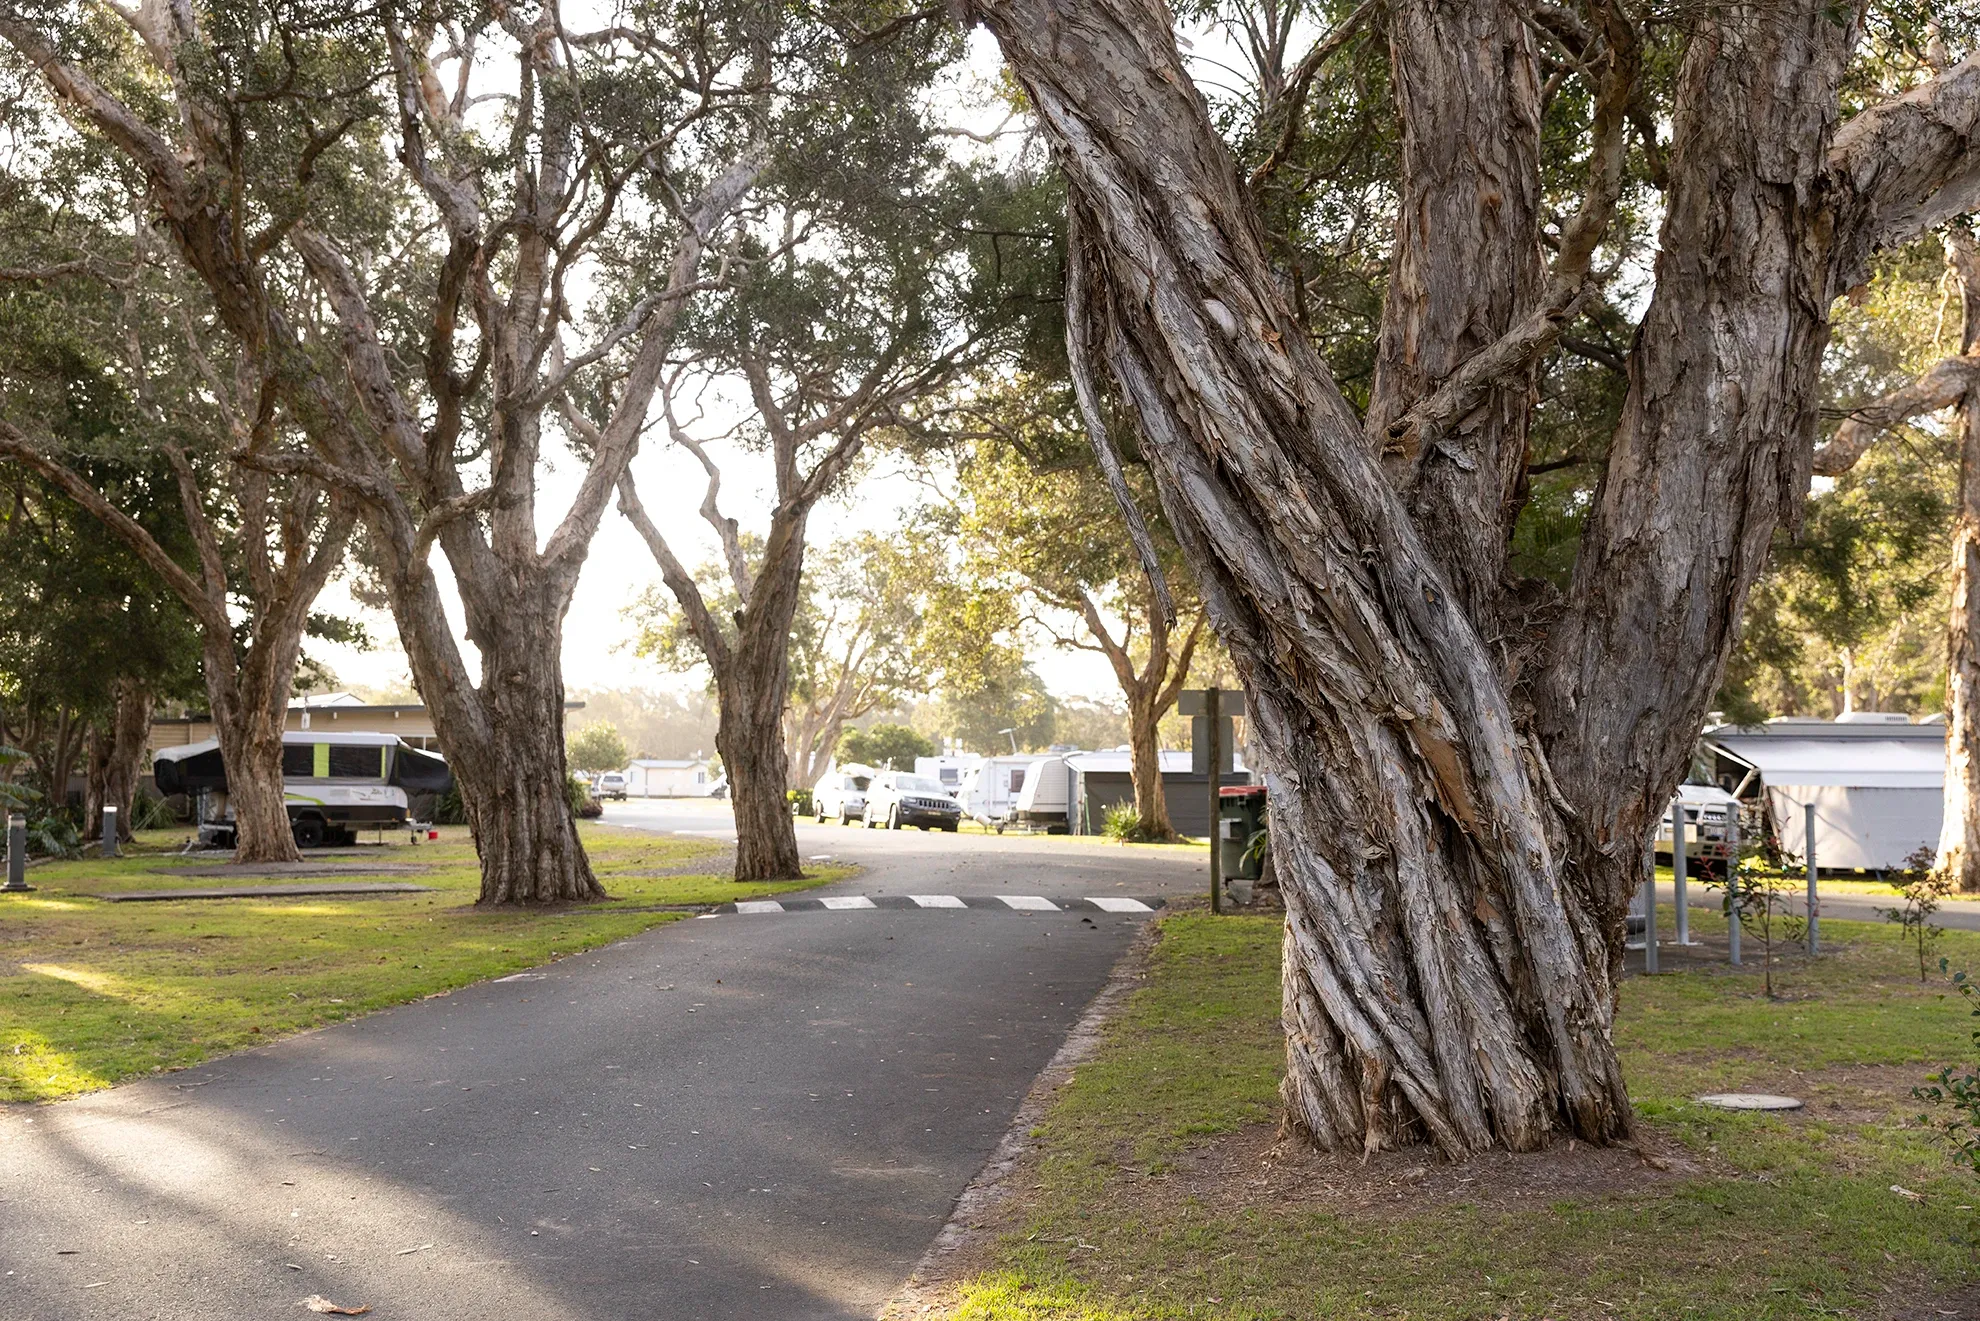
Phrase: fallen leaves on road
(407, 1252)
(316, 1302)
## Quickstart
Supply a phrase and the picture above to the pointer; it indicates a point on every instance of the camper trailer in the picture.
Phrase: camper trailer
(1046, 799)
(990, 789)
(334, 785)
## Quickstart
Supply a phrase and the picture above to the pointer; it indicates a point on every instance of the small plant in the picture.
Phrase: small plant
(1757, 894)
(800, 801)
(1923, 889)
(1959, 1091)
(577, 792)
(53, 835)
(1124, 824)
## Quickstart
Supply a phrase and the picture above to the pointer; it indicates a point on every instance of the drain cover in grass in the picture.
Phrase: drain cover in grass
(1750, 1101)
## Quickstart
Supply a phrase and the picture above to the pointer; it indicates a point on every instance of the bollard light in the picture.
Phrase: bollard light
(109, 830)
(17, 830)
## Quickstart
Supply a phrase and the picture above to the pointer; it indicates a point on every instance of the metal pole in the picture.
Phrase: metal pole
(17, 832)
(109, 830)
(1214, 723)
(1732, 891)
(1650, 908)
(1814, 902)
(1681, 869)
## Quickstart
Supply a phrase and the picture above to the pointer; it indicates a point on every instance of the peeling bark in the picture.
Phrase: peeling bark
(1458, 825)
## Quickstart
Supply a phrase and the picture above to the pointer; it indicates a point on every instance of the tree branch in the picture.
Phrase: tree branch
(1903, 167)
(1568, 284)
(714, 645)
(1946, 383)
(211, 612)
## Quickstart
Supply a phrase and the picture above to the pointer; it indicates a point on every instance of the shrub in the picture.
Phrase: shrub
(800, 801)
(577, 792)
(1124, 824)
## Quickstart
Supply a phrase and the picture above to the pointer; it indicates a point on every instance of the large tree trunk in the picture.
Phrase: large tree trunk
(1455, 909)
(116, 759)
(1959, 837)
(513, 775)
(753, 758)
(753, 683)
(1151, 801)
(251, 750)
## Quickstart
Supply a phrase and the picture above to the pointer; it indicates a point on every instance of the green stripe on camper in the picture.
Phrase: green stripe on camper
(321, 769)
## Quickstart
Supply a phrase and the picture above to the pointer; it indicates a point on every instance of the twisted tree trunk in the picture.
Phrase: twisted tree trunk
(1455, 908)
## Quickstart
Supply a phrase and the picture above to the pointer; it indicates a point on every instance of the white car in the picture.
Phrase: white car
(611, 785)
(841, 793)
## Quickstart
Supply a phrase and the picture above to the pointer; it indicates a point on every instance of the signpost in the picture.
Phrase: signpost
(1814, 904)
(1212, 742)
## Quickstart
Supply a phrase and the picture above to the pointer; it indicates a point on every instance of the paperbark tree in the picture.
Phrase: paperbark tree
(438, 429)
(1953, 383)
(1461, 786)
(854, 303)
(264, 547)
(1027, 514)
(853, 646)
(247, 681)
(748, 653)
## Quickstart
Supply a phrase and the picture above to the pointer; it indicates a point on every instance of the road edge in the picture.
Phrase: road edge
(991, 1185)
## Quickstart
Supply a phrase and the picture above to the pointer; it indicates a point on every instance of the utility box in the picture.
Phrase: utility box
(1240, 815)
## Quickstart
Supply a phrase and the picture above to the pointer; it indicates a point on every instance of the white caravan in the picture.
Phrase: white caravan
(991, 789)
(1046, 798)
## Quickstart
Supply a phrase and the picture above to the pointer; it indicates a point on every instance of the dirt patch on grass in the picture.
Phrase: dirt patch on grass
(1909, 1306)
(1259, 1167)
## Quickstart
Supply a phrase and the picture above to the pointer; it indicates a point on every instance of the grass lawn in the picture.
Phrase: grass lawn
(93, 992)
(1158, 1187)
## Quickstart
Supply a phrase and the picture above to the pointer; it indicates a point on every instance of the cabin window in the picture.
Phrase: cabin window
(356, 763)
(298, 761)
(1017, 780)
(951, 775)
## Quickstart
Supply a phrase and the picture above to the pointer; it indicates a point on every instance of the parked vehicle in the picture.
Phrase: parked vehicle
(719, 789)
(1046, 799)
(334, 785)
(902, 798)
(841, 793)
(990, 790)
(1709, 814)
(611, 784)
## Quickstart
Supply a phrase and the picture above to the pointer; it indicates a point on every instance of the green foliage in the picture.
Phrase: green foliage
(596, 747)
(577, 793)
(885, 747)
(1123, 824)
(800, 801)
(1852, 605)
(1959, 1089)
(1923, 889)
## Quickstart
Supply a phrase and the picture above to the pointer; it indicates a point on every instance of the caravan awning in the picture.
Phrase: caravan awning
(1909, 763)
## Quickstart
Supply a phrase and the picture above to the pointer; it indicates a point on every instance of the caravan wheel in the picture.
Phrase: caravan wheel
(309, 832)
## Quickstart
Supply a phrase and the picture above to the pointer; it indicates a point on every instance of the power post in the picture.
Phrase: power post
(1814, 903)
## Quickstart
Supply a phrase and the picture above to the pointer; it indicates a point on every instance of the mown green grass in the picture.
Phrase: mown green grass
(93, 992)
(1796, 1217)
